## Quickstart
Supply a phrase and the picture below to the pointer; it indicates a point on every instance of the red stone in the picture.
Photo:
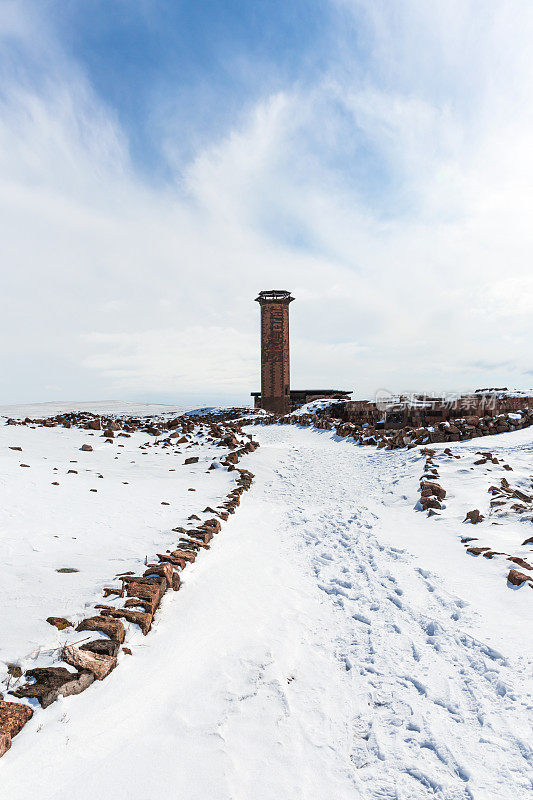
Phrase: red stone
(13, 717)
(474, 516)
(517, 578)
(60, 622)
(99, 664)
(111, 627)
(520, 562)
(141, 618)
(429, 502)
(211, 525)
(51, 682)
(432, 489)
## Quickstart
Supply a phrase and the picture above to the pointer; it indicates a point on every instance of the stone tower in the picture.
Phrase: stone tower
(275, 371)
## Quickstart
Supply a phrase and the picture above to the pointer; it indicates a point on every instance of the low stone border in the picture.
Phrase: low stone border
(431, 493)
(142, 594)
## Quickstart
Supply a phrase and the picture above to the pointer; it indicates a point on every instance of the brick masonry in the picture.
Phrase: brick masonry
(275, 358)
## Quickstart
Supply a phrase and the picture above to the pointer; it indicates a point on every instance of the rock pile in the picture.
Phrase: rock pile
(431, 493)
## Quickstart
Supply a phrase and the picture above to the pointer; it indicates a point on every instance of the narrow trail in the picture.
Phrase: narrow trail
(439, 713)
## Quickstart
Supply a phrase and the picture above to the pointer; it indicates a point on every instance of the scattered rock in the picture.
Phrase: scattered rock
(186, 555)
(429, 502)
(191, 460)
(60, 623)
(428, 489)
(520, 562)
(140, 618)
(99, 664)
(104, 647)
(13, 717)
(111, 627)
(474, 516)
(51, 682)
(152, 430)
(150, 590)
(86, 448)
(164, 570)
(67, 569)
(112, 590)
(516, 578)
(212, 525)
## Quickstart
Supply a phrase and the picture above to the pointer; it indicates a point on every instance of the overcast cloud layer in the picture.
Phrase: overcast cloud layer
(372, 157)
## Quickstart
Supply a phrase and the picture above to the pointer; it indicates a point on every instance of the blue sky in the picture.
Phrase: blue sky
(160, 162)
(203, 62)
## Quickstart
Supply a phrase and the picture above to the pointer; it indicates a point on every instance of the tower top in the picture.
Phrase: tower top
(273, 295)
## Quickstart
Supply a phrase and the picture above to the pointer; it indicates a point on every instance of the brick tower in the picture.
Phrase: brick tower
(275, 371)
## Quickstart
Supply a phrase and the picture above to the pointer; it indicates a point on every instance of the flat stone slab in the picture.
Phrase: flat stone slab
(50, 682)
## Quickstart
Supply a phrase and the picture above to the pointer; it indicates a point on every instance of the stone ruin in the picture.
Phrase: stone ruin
(425, 421)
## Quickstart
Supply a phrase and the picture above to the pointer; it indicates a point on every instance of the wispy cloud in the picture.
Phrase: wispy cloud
(390, 191)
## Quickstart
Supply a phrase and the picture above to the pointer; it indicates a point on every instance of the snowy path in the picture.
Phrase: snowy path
(439, 712)
(306, 657)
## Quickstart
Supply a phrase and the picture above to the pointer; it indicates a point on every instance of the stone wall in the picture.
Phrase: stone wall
(408, 435)
(428, 412)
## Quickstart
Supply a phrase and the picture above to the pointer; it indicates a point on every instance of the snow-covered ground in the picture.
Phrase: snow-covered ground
(36, 410)
(104, 516)
(334, 643)
(315, 405)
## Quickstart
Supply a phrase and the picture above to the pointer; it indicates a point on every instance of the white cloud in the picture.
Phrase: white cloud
(393, 197)
(193, 359)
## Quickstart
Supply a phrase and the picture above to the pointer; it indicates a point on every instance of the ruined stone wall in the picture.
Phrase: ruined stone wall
(431, 412)
(396, 436)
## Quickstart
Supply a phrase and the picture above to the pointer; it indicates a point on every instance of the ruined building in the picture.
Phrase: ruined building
(276, 395)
